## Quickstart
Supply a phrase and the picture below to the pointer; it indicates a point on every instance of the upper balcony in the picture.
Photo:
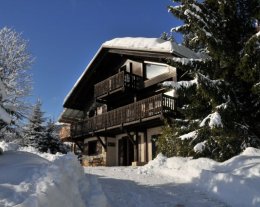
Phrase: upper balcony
(143, 111)
(117, 82)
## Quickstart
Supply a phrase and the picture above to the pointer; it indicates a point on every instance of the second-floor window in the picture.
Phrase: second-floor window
(154, 69)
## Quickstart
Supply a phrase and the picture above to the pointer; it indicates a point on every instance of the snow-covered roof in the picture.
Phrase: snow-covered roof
(150, 44)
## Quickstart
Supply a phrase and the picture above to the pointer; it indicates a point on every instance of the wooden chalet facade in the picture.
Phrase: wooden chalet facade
(116, 109)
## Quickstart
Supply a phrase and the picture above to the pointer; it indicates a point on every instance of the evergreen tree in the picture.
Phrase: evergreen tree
(53, 143)
(43, 136)
(34, 131)
(219, 99)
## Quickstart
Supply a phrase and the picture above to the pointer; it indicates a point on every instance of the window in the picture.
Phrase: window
(92, 147)
(153, 70)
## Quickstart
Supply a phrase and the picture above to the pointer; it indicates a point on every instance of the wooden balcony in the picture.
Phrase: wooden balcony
(147, 109)
(117, 82)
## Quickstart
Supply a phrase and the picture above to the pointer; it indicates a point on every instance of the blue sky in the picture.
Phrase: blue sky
(64, 35)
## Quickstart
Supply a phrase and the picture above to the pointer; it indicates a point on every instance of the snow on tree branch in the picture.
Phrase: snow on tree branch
(213, 120)
(180, 84)
(15, 79)
(190, 135)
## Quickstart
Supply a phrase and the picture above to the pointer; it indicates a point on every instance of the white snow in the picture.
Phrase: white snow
(171, 93)
(190, 135)
(153, 44)
(30, 180)
(4, 116)
(195, 7)
(235, 182)
(213, 120)
(8, 146)
(199, 147)
(186, 61)
(181, 181)
(180, 84)
(150, 44)
(176, 29)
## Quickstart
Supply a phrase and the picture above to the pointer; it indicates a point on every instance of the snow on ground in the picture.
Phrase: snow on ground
(236, 181)
(183, 182)
(126, 186)
(30, 180)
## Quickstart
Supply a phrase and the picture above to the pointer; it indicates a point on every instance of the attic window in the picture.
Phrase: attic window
(154, 69)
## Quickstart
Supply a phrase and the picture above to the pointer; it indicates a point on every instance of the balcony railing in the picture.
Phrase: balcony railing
(138, 111)
(116, 82)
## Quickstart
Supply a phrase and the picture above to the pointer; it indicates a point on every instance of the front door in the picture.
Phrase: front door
(125, 152)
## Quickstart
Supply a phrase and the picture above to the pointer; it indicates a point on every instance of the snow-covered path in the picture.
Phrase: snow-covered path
(126, 186)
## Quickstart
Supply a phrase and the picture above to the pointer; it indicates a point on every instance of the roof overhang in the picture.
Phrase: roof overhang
(71, 115)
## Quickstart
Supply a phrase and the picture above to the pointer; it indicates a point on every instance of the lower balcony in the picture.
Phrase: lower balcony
(139, 112)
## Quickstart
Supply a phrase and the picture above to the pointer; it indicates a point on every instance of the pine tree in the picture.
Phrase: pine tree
(34, 131)
(219, 100)
(53, 142)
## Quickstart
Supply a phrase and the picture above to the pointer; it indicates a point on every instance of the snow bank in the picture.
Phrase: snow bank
(235, 181)
(29, 180)
(11, 146)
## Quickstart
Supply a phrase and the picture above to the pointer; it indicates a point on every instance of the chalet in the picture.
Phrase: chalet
(115, 111)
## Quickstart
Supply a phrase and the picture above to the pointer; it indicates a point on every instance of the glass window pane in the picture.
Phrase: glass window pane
(153, 70)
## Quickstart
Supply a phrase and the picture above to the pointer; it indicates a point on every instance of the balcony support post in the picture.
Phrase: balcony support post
(135, 144)
(104, 145)
(146, 146)
(130, 137)
(79, 146)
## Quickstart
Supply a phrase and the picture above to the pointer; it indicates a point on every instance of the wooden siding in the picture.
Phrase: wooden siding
(135, 112)
(116, 82)
(65, 133)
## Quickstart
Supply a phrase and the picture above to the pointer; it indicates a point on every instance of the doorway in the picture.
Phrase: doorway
(125, 152)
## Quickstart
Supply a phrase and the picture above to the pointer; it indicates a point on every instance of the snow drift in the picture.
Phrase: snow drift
(235, 181)
(29, 180)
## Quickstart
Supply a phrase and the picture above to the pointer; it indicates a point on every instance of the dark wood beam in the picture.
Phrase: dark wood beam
(79, 146)
(146, 146)
(136, 146)
(130, 137)
(102, 143)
